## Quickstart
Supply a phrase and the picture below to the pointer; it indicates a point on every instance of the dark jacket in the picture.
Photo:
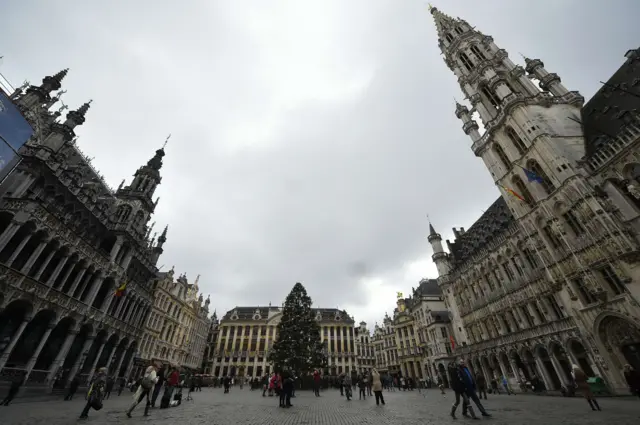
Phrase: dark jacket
(460, 379)
(633, 379)
(480, 381)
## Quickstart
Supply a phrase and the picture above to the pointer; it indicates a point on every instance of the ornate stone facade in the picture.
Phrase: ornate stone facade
(208, 359)
(417, 339)
(67, 241)
(176, 330)
(548, 276)
(386, 347)
(365, 354)
(246, 334)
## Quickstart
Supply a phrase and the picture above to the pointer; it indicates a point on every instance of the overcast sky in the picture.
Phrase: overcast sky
(310, 138)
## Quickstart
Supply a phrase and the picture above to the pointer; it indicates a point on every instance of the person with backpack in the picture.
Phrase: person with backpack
(96, 392)
(147, 384)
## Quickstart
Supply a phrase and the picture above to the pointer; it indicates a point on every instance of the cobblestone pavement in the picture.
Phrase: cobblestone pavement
(244, 407)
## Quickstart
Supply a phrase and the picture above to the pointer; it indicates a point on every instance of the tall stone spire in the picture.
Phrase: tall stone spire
(145, 181)
(41, 94)
(513, 111)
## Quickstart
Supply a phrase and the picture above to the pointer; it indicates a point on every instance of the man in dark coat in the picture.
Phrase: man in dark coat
(458, 386)
(481, 382)
(470, 386)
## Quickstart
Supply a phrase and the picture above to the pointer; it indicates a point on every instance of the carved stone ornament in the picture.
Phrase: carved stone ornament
(633, 190)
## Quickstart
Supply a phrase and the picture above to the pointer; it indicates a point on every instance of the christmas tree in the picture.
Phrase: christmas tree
(297, 347)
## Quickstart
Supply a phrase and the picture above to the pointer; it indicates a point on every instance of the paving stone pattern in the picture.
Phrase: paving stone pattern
(245, 407)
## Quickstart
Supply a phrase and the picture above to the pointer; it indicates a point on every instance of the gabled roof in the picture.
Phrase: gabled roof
(603, 115)
(490, 224)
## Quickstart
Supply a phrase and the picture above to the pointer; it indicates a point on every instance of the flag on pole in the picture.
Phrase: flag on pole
(453, 342)
(533, 177)
(399, 295)
(121, 290)
(513, 193)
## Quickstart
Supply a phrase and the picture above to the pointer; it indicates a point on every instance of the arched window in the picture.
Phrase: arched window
(138, 218)
(449, 38)
(533, 166)
(516, 140)
(459, 30)
(491, 97)
(466, 61)
(503, 156)
(476, 51)
(522, 189)
(124, 211)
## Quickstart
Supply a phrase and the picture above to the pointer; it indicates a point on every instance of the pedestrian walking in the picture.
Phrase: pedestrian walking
(580, 378)
(481, 382)
(362, 384)
(505, 385)
(109, 387)
(16, 383)
(316, 383)
(377, 386)
(459, 387)
(73, 387)
(632, 377)
(95, 395)
(147, 383)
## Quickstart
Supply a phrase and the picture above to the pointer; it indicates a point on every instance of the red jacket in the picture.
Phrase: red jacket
(316, 376)
(174, 378)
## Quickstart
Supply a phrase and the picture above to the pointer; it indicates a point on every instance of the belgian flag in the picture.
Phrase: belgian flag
(121, 290)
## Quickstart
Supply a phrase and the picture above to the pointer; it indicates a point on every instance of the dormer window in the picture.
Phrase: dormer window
(466, 61)
(449, 38)
(476, 51)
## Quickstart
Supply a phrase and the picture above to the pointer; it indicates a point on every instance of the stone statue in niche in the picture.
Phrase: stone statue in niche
(633, 190)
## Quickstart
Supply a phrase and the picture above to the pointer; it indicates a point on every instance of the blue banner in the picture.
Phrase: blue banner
(14, 132)
(14, 129)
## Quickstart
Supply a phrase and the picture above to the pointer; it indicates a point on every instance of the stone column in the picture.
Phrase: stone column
(66, 275)
(18, 250)
(548, 382)
(34, 358)
(106, 304)
(8, 233)
(534, 313)
(45, 264)
(119, 365)
(120, 307)
(92, 370)
(116, 248)
(14, 340)
(558, 368)
(58, 269)
(34, 256)
(77, 364)
(77, 280)
(64, 350)
(95, 288)
(127, 259)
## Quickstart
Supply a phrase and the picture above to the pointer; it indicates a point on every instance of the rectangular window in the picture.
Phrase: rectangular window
(553, 302)
(552, 238)
(574, 224)
(516, 266)
(507, 270)
(528, 317)
(612, 279)
(443, 331)
(583, 290)
(531, 258)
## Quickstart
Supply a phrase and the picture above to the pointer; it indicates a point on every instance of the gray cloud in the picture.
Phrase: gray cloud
(309, 143)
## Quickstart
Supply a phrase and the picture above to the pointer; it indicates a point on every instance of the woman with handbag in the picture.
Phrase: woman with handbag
(147, 383)
(95, 395)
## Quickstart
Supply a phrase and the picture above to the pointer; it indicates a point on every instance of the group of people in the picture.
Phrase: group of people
(367, 384)
(148, 387)
(281, 384)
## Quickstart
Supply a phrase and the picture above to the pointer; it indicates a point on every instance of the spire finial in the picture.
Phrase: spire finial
(166, 141)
